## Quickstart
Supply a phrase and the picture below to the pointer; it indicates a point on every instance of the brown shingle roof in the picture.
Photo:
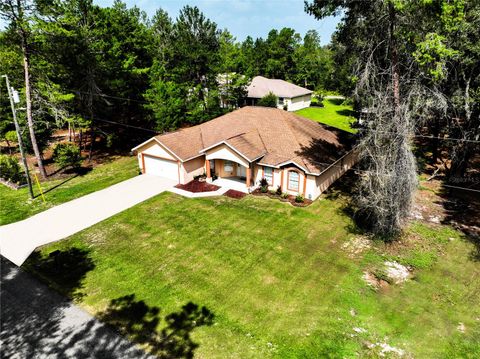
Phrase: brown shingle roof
(275, 135)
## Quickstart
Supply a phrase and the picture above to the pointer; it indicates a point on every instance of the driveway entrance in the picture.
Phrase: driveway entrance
(18, 240)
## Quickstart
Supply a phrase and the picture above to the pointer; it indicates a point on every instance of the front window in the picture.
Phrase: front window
(293, 180)
(268, 174)
(280, 100)
(228, 166)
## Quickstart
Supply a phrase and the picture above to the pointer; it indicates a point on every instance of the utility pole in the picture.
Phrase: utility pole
(19, 135)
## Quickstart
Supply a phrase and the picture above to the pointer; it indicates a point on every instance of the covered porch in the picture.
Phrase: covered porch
(236, 183)
(229, 169)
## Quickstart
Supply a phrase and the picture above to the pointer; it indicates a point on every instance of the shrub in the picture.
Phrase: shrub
(269, 100)
(284, 195)
(316, 102)
(299, 199)
(273, 192)
(67, 154)
(112, 140)
(263, 182)
(11, 136)
(264, 189)
(279, 190)
(10, 169)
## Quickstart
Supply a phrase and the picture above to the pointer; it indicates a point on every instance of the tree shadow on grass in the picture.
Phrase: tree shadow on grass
(335, 101)
(36, 321)
(139, 321)
(346, 112)
(64, 270)
(81, 171)
(462, 211)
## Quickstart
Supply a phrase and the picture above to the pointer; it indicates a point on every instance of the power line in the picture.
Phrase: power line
(125, 125)
(462, 188)
(431, 137)
(109, 96)
(448, 139)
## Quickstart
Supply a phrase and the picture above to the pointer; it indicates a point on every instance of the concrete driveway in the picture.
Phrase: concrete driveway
(36, 322)
(18, 240)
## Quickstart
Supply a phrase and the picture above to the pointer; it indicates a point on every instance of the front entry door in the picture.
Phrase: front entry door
(241, 171)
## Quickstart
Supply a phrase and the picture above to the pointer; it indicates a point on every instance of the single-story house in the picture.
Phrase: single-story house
(290, 96)
(299, 155)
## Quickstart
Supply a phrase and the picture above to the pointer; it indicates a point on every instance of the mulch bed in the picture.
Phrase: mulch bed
(196, 186)
(290, 198)
(234, 194)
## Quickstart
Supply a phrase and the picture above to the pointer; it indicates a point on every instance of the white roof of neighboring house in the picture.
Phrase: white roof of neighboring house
(261, 86)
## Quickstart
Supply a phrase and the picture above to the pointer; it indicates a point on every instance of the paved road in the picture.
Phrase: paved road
(18, 240)
(36, 322)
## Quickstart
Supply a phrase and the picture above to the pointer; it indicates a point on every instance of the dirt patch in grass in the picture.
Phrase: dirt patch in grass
(234, 194)
(196, 186)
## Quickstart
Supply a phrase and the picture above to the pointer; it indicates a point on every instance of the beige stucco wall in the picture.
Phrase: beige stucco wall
(296, 103)
(314, 185)
(192, 168)
(226, 153)
(335, 171)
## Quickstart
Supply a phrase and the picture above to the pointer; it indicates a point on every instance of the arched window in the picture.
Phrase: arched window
(268, 175)
(293, 181)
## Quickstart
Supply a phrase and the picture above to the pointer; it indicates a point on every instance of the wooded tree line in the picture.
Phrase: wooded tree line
(414, 70)
(83, 66)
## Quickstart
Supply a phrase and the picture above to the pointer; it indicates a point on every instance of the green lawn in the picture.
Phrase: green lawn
(275, 277)
(16, 205)
(333, 114)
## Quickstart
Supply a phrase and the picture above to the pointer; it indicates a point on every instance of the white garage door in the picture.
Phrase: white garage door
(160, 167)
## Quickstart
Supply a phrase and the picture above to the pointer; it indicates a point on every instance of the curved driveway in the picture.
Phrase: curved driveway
(18, 240)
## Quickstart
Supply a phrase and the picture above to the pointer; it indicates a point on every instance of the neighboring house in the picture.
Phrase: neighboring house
(302, 156)
(291, 96)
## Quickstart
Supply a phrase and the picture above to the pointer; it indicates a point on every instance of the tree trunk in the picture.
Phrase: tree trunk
(80, 139)
(92, 139)
(9, 147)
(28, 98)
(394, 60)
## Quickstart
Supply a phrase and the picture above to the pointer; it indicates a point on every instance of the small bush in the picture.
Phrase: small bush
(316, 102)
(263, 182)
(112, 140)
(264, 189)
(11, 136)
(285, 195)
(299, 199)
(279, 190)
(10, 169)
(269, 100)
(273, 192)
(67, 155)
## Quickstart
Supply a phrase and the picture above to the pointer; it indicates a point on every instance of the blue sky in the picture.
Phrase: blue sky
(245, 17)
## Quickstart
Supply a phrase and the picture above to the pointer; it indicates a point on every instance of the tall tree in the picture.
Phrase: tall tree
(184, 85)
(19, 14)
(385, 35)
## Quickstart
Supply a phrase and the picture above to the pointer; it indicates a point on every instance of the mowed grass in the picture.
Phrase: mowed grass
(334, 114)
(278, 279)
(17, 205)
